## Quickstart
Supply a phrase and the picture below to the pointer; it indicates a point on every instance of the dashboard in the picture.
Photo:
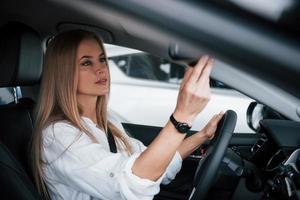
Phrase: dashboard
(277, 157)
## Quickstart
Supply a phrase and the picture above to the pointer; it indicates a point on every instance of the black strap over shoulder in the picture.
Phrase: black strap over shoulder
(111, 142)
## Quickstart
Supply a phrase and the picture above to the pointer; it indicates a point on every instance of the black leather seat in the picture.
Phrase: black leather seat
(15, 183)
(16, 131)
(21, 64)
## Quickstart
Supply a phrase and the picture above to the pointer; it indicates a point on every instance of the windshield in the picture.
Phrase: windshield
(280, 13)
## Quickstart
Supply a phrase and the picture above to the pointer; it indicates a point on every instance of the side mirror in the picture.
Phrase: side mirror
(254, 115)
(257, 112)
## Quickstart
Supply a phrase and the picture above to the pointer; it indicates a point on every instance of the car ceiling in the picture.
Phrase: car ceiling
(254, 56)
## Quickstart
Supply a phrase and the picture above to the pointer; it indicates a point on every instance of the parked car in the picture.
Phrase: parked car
(257, 43)
(144, 90)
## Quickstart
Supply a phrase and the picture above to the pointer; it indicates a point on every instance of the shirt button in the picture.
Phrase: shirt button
(111, 174)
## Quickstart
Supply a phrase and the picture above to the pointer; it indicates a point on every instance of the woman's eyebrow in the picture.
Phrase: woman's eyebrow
(86, 56)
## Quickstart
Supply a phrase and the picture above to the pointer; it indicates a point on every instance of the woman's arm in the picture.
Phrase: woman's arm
(193, 96)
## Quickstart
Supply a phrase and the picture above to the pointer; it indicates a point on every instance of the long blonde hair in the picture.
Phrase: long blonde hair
(57, 100)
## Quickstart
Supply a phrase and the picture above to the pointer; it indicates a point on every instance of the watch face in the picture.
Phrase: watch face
(183, 127)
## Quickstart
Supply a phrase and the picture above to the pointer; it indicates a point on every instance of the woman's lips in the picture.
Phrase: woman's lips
(102, 82)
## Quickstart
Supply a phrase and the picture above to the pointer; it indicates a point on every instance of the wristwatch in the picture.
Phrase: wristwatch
(180, 126)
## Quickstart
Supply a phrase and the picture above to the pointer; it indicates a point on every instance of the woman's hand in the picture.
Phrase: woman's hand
(209, 130)
(194, 92)
(193, 142)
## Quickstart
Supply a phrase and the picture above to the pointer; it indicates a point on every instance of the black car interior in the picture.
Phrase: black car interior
(21, 64)
(263, 166)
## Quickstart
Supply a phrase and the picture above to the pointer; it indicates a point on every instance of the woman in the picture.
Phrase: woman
(72, 157)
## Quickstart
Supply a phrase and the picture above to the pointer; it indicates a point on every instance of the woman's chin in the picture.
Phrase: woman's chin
(103, 93)
(104, 90)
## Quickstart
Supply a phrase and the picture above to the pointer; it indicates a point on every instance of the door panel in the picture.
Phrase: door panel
(147, 133)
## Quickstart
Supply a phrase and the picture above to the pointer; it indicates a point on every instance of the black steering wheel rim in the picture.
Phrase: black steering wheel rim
(210, 163)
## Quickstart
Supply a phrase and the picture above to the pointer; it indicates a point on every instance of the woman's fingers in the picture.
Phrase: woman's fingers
(192, 74)
(208, 68)
(187, 75)
(201, 85)
(220, 115)
(197, 71)
(206, 71)
(215, 120)
(211, 127)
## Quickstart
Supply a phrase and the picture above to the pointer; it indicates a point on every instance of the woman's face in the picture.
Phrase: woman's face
(93, 75)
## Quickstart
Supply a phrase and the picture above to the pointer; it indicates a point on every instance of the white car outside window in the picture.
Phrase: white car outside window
(144, 91)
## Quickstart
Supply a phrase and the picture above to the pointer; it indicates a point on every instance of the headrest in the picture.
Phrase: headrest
(21, 55)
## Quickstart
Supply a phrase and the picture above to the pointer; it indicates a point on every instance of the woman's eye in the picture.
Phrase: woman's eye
(86, 63)
(102, 60)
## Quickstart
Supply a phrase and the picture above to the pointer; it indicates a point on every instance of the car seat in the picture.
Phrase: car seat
(21, 64)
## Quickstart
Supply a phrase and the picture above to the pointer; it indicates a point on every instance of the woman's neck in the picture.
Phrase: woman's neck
(88, 106)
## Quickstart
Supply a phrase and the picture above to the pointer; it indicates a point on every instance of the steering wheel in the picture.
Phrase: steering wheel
(208, 166)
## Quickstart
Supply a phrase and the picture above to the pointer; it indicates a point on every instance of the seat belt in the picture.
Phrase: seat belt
(111, 142)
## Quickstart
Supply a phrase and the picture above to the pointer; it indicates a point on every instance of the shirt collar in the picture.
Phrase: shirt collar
(88, 121)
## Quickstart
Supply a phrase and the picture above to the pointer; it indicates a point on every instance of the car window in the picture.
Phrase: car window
(144, 90)
(7, 94)
(144, 66)
(148, 67)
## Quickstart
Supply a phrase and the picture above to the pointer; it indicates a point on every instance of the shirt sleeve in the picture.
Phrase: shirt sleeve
(88, 167)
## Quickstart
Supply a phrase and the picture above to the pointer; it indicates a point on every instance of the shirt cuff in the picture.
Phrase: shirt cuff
(173, 168)
(138, 184)
(145, 187)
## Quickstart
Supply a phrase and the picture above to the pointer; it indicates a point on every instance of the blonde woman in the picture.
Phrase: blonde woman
(72, 157)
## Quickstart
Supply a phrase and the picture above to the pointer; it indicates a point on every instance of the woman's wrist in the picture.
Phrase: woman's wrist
(181, 117)
(202, 135)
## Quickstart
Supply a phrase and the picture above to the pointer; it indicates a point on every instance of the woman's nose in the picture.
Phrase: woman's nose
(100, 69)
(101, 72)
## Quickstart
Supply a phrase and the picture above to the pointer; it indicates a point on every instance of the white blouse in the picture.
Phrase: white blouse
(77, 168)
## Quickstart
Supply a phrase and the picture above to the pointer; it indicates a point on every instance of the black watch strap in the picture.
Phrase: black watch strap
(180, 126)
